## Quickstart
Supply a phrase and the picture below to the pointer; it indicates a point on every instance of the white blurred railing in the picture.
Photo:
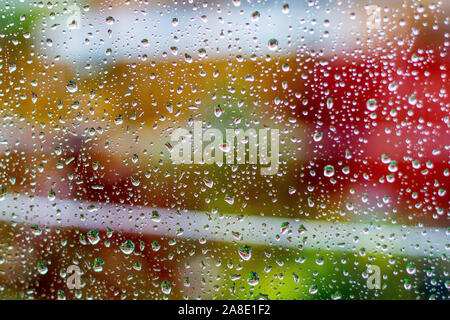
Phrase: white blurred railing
(253, 230)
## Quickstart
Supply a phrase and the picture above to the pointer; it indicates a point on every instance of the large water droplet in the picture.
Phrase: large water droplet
(127, 247)
(245, 252)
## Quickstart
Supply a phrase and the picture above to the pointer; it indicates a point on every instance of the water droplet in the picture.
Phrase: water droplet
(412, 100)
(393, 86)
(328, 171)
(272, 44)
(237, 3)
(51, 195)
(92, 208)
(127, 247)
(313, 289)
(330, 103)
(36, 230)
(411, 268)
(372, 105)
(155, 216)
(255, 16)
(93, 237)
(71, 86)
(110, 20)
(12, 67)
(165, 287)
(98, 265)
(253, 278)
(156, 246)
(42, 267)
(245, 252)
(317, 136)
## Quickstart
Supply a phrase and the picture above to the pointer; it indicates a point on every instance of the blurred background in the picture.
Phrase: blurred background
(91, 91)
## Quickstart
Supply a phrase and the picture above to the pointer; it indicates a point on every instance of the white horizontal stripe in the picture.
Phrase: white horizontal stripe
(255, 230)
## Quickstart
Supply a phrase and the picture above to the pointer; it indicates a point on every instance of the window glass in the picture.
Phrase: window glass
(236, 149)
